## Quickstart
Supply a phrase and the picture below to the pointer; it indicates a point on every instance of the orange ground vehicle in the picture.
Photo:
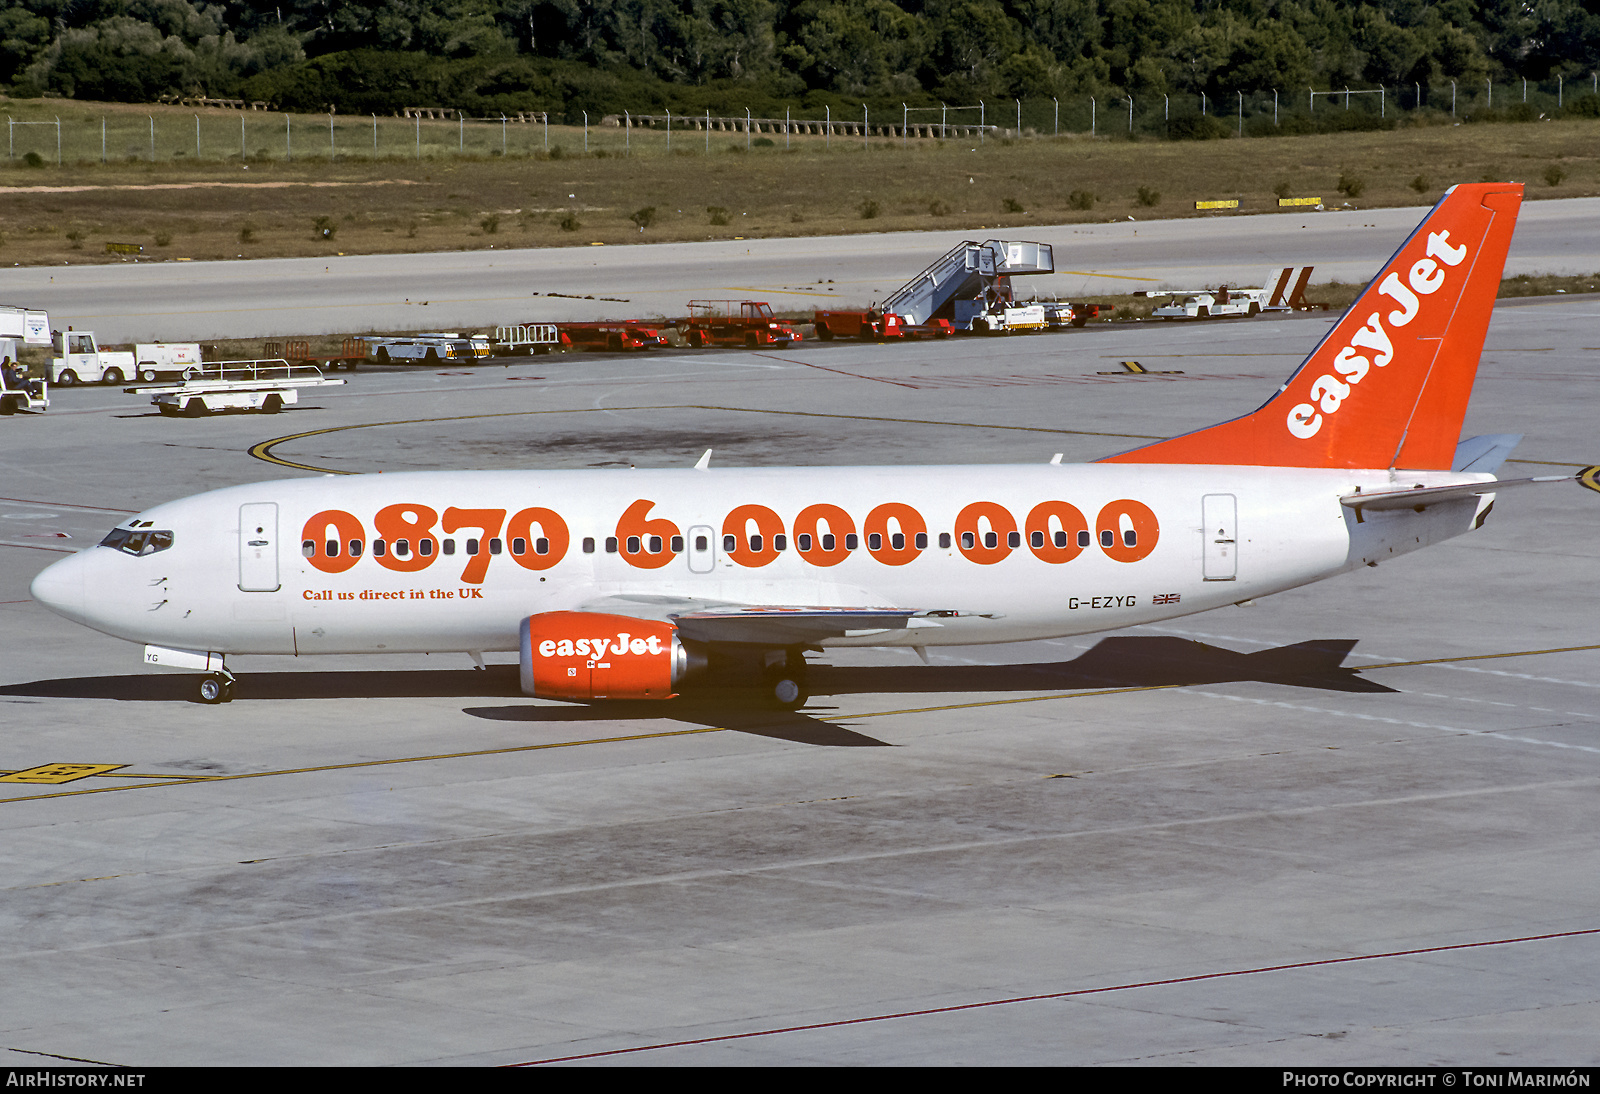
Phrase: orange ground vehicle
(735, 323)
(875, 324)
(612, 336)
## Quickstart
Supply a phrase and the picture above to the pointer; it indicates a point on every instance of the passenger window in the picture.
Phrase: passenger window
(851, 541)
(541, 546)
(898, 541)
(378, 548)
(655, 545)
(730, 543)
(780, 543)
(1013, 539)
(677, 545)
(588, 545)
(308, 548)
(1130, 538)
(519, 546)
(1061, 539)
(755, 545)
(701, 543)
(447, 546)
(402, 548)
(633, 545)
(355, 548)
(803, 542)
(944, 541)
(968, 540)
(828, 542)
(332, 547)
(1083, 537)
(425, 547)
(874, 542)
(1108, 538)
(611, 545)
(921, 541)
(1036, 539)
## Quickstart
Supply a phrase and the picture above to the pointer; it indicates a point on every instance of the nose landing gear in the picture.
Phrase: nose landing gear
(216, 687)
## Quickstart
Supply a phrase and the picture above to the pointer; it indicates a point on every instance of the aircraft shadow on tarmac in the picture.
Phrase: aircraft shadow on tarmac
(1121, 662)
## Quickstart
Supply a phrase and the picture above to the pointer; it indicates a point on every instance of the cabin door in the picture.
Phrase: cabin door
(258, 547)
(1219, 516)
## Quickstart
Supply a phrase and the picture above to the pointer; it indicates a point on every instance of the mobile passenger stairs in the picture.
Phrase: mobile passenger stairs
(267, 386)
(970, 287)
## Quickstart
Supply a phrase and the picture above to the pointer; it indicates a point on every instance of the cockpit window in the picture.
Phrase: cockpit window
(137, 542)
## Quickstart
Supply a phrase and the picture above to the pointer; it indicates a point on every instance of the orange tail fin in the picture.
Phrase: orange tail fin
(1388, 385)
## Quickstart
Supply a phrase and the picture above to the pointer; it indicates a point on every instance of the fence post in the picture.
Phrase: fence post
(905, 116)
(197, 136)
(1452, 98)
(58, 142)
(502, 133)
(827, 144)
(288, 140)
(419, 137)
(1274, 106)
(103, 138)
(627, 137)
(708, 131)
(153, 135)
(374, 134)
(1058, 114)
(461, 132)
(586, 131)
(1130, 113)
(1091, 115)
(669, 129)
(1241, 112)
(865, 124)
(333, 146)
(243, 150)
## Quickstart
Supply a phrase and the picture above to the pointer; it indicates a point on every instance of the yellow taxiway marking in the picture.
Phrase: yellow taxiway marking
(53, 774)
(262, 450)
(1587, 477)
(180, 780)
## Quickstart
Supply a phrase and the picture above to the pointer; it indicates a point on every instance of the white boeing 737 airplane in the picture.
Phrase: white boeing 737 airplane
(629, 584)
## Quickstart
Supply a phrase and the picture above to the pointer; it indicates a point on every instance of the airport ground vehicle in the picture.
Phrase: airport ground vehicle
(80, 360)
(351, 353)
(1210, 303)
(523, 338)
(17, 390)
(619, 335)
(267, 386)
(875, 324)
(637, 584)
(429, 349)
(21, 327)
(1059, 313)
(735, 323)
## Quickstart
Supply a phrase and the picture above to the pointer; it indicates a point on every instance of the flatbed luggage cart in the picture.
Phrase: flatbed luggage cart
(267, 386)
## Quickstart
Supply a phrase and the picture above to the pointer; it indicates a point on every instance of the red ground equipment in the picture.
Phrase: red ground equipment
(735, 323)
(612, 336)
(351, 353)
(873, 324)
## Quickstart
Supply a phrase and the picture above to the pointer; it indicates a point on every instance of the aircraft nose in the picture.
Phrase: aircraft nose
(60, 588)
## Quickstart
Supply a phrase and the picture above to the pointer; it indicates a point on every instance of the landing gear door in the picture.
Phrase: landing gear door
(258, 547)
(702, 550)
(1219, 516)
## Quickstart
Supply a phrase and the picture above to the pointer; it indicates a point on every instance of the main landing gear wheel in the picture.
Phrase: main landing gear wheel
(787, 693)
(783, 685)
(215, 687)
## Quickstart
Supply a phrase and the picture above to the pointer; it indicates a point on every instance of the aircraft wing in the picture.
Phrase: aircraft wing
(1419, 498)
(767, 624)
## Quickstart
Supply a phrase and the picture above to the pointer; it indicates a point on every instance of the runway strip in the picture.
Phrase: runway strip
(182, 780)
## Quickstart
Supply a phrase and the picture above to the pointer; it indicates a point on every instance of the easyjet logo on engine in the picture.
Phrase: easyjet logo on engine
(602, 646)
(1372, 346)
(408, 539)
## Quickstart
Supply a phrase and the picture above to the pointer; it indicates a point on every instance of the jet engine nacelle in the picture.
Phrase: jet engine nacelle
(589, 655)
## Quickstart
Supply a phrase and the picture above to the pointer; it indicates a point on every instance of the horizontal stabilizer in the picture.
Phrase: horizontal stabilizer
(1419, 498)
